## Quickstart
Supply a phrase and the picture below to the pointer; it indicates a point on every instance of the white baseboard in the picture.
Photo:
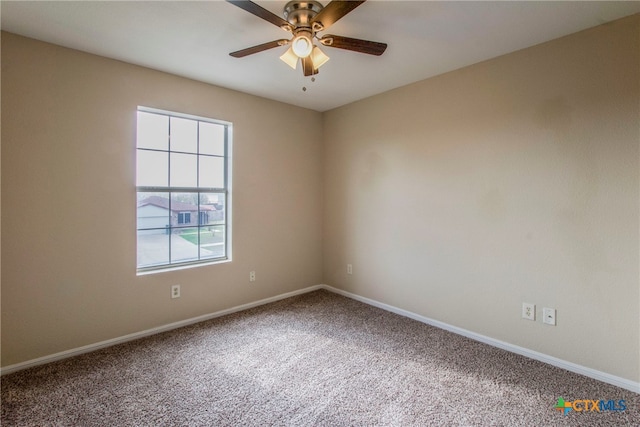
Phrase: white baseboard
(102, 344)
(569, 366)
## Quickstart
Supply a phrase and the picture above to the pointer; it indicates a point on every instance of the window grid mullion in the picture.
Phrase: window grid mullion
(198, 183)
(157, 150)
(169, 185)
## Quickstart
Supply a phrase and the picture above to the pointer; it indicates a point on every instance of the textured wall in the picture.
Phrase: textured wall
(68, 193)
(513, 180)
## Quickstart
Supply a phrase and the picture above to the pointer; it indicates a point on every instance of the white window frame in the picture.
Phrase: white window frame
(226, 190)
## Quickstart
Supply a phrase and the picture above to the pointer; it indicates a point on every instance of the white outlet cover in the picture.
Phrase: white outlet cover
(528, 311)
(175, 291)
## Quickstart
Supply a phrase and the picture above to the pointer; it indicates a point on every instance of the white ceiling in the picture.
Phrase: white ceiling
(193, 39)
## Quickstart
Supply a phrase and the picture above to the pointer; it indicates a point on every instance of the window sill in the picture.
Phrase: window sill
(165, 268)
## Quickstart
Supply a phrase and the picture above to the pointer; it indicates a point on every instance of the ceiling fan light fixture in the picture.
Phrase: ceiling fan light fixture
(304, 19)
(318, 57)
(302, 45)
(290, 58)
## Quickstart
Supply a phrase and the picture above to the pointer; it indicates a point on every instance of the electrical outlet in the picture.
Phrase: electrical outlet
(549, 316)
(528, 311)
(349, 269)
(252, 276)
(175, 291)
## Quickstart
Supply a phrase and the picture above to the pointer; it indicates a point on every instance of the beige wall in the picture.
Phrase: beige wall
(513, 180)
(68, 224)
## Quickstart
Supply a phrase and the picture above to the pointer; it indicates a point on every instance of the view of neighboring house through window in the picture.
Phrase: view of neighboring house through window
(182, 189)
(184, 218)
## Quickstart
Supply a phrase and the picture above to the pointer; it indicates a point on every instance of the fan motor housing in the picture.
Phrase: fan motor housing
(300, 13)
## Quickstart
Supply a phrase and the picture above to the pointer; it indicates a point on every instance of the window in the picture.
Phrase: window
(182, 187)
(184, 218)
(204, 218)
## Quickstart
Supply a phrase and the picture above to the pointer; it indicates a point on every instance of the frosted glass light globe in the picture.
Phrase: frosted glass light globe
(302, 46)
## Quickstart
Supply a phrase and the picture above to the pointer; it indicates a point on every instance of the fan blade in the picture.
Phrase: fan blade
(356, 45)
(258, 48)
(335, 10)
(307, 66)
(263, 13)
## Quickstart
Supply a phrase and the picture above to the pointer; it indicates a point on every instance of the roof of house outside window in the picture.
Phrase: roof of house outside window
(163, 202)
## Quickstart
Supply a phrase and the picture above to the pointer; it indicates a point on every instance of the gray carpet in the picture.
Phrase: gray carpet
(315, 359)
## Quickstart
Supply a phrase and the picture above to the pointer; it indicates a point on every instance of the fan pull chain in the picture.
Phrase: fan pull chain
(304, 88)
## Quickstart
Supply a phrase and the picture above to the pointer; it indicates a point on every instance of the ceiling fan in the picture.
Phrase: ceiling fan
(304, 19)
